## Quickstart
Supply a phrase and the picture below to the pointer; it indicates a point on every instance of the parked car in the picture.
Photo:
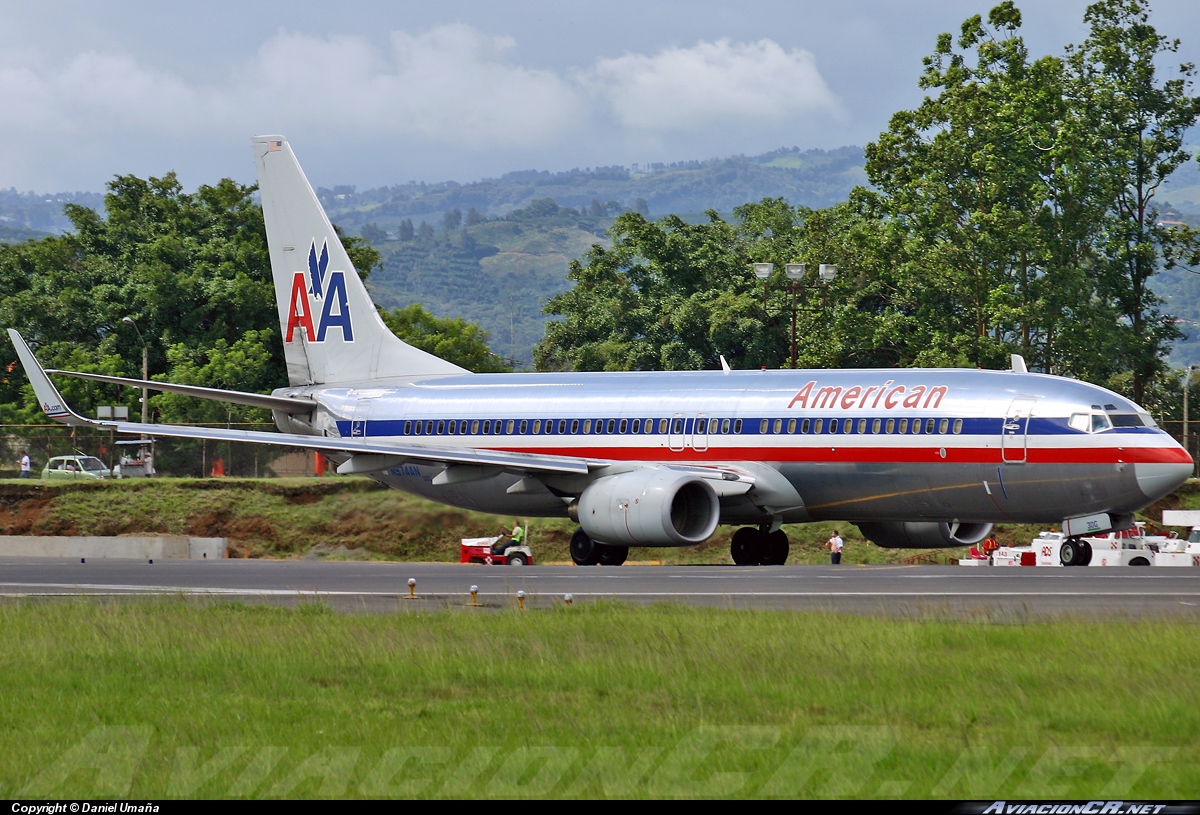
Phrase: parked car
(75, 468)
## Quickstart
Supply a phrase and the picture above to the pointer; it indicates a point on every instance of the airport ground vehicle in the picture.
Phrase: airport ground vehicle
(479, 550)
(917, 458)
(75, 468)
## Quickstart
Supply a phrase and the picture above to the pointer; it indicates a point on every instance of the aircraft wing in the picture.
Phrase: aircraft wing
(367, 455)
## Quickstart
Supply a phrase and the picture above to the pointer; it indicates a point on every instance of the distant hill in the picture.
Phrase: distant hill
(815, 178)
(40, 212)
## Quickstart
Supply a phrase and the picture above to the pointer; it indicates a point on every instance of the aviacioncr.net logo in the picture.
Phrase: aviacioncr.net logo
(319, 287)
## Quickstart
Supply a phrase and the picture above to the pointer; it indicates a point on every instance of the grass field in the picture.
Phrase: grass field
(348, 518)
(171, 699)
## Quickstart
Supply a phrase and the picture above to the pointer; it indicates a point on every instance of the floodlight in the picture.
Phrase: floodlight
(827, 272)
(763, 270)
(795, 270)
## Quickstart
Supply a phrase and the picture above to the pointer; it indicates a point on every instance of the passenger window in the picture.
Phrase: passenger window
(475, 428)
(903, 428)
(778, 426)
(737, 425)
(524, 427)
(833, 425)
(943, 426)
(610, 426)
(677, 426)
(804, 425)
(818, 424)
(662, 425)
(762, 426)
(848, 426)
(929, 425)
(624, 426)
(875, 425)
(575, 427)
(408, 428)
(791, 426)
(487, 427)
(725, 426)
(598, 427)
(862, 425)
(648, 426)
(509, 426)
(537, 426)
(587, 426)
(958, 425)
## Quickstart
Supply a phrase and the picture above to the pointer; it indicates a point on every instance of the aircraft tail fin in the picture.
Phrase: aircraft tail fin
(331, 331)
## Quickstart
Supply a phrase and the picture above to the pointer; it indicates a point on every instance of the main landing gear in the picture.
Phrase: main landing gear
(757, 547)
(587, 552)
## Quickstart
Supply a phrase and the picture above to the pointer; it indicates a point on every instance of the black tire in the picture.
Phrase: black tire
(1139, 561)
(584, 551)
(747, 546)
(517, 559)
(1085, 554)
(777, 548)
(612, 555)
(1068, 554)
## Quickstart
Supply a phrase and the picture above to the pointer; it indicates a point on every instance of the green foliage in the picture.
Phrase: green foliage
(451, 338)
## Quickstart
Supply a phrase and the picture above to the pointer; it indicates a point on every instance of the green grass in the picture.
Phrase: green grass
(169, 699)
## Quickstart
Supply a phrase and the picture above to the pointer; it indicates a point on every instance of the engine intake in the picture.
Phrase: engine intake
(651, 507)
(924, 534)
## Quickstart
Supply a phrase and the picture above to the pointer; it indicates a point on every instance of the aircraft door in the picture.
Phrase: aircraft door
(700, 433)
(1014, 433)
(675, 432)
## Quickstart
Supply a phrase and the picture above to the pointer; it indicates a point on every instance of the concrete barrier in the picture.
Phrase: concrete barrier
(96, 546)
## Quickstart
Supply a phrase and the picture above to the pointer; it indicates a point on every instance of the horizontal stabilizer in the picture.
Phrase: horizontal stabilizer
(288, 404)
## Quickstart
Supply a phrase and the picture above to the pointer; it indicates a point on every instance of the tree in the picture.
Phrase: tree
(452, 219)
(1137, 123)
(452, 339)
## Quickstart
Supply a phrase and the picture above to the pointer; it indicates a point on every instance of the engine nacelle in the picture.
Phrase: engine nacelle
(923, 534)
(651, 507)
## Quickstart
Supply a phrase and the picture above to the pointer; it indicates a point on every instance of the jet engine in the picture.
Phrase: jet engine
(650, 507)
(923, 534)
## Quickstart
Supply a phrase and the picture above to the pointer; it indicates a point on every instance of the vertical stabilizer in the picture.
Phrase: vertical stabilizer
(331, 331)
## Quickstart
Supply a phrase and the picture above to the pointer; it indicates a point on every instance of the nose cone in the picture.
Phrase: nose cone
(1156, 480)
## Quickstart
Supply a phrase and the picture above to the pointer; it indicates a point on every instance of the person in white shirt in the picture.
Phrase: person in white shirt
(26, 472)
(835, 548)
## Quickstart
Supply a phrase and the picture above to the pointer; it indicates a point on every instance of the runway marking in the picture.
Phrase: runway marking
(92, 589)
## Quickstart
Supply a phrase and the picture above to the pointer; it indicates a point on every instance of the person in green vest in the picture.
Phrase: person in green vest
(514, 539)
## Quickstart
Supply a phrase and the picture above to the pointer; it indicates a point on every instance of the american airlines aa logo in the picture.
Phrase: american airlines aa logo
(327, 291)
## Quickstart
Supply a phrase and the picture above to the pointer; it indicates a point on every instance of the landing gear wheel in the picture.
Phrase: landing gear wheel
(1075, 553)
(612, 555)
(516, 559)
(584, 550)
(777, 549)
(748, 546)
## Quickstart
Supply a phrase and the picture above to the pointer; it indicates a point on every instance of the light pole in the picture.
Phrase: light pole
(145, 368)
(1187, 386)
(795, 273)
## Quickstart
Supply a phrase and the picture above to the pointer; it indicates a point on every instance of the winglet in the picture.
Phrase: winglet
(1018, 364)
(53, 405)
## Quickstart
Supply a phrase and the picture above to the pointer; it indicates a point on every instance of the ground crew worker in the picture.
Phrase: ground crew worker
(514, 539)
(835, 548)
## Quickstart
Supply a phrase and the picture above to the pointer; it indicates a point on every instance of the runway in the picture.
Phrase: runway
(1008, 593)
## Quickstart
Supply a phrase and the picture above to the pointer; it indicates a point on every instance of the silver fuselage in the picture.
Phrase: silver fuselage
(855, 445)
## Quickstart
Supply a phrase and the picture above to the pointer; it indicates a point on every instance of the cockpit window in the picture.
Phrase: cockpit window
(1148, 420)
(1080, 421)
(1126, 420)
(1100, 422)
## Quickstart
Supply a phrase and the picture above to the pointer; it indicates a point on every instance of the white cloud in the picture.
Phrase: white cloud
(450, 84)
(710, 83)
(428, 105)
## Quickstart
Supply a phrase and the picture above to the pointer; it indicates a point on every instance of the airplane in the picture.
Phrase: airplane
(916, 458)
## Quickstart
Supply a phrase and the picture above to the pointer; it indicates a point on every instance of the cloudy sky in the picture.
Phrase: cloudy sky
(374, 93)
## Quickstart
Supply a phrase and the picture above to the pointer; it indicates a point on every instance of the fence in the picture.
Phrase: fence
(195, 458)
